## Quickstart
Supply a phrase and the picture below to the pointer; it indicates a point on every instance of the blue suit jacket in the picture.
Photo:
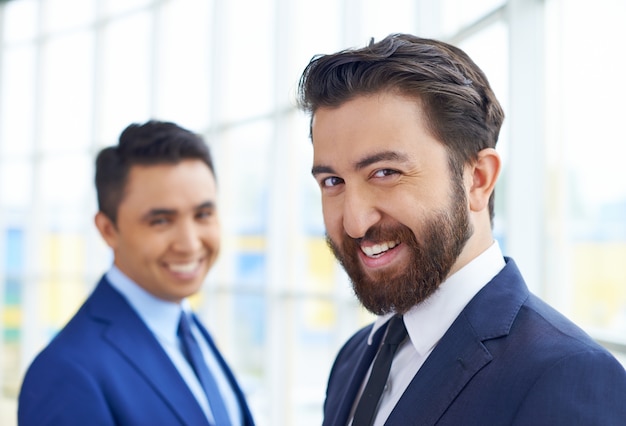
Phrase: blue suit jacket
(508, 359)
(106, 368)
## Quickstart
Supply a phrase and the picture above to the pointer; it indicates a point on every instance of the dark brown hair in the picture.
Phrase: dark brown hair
(461, 109)
(151, 143)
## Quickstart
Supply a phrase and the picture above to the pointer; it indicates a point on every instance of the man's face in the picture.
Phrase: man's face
(167, 234)
(395, 216)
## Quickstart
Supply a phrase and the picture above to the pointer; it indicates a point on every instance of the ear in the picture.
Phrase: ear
(107, 229)
(484, 174)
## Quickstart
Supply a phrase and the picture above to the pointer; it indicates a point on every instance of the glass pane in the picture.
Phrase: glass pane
(456, 14)
(61, 290)
(126, 70)
(66, 191)
(246, 74)
(115, 7)
(312, 336)
(183, 69)
(306, 38)
(309, 196)
(242, 166)
(67, 92)
(13, 258)
(381, 18)
(20, 20)
(16, 184)
(588, 212)
(17, 101)
(59, 15)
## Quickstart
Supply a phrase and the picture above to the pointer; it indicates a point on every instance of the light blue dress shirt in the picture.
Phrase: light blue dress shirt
(162, 318)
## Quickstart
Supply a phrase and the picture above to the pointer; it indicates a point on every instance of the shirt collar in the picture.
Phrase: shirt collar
(159, 315)
(428, 321)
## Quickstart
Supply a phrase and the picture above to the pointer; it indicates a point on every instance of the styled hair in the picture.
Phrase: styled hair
(151, 143)
(461, 110)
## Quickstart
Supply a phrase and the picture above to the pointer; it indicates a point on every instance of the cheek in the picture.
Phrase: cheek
(332, 217)
(213, 239)
(408, 210)
(139, 245)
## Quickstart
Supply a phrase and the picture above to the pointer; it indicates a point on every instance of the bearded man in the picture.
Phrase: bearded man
(404, 133)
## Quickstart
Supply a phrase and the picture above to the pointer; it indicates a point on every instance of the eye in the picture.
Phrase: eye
(330, 182)
(158, 221)
(204, 214)
(381, 173)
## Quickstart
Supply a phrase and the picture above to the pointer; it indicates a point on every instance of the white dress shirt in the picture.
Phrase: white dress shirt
(162, 318)
(427, 322)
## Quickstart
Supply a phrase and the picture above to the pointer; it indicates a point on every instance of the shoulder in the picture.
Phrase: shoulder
(551, 334)
(560, 374)
(586, 386)
(63, 371)
(70, 350)
(350, 353)
(506, 308)
(75, 345)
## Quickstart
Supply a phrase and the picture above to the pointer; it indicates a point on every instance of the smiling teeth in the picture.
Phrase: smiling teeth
(377, 249)
(183, 268)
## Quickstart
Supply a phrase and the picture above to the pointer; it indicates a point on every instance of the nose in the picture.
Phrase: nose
(187, 237)
(360, 212)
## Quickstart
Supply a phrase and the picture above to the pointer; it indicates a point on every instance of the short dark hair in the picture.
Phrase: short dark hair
(461, 110)
(154, 142)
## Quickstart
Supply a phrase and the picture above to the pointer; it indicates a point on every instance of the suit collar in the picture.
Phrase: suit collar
(461, 352)
(159, 315)
(428, 321)
(493, 310)
(128, 334)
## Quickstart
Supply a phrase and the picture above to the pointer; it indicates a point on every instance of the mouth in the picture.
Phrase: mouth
(377, 250)
(184, 268)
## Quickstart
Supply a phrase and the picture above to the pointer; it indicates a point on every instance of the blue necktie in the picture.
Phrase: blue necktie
(370, 399)
(192, 352)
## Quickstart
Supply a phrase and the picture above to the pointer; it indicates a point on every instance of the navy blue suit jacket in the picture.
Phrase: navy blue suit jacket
(106, 368)
(508, 359)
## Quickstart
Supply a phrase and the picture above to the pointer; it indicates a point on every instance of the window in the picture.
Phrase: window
(73, 74)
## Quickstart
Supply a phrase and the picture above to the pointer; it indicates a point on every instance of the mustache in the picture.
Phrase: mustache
(381, 233)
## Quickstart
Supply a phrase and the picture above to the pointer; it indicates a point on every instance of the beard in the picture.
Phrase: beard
(443, 237)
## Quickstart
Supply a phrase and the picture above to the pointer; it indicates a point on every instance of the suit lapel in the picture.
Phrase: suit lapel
(341, 407)
(132, 339)
(453, 362)
(461, 353)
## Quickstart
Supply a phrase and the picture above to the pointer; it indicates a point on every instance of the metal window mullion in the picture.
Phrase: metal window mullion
(525, 189)
(32, 333)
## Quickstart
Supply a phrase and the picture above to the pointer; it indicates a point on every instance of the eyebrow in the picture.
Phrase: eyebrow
(316, 170)
(365, 162)
(381, 156)
(171, 212)
(206, 205)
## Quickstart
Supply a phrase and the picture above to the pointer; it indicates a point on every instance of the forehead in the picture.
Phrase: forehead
(369, 124)
(184, 183)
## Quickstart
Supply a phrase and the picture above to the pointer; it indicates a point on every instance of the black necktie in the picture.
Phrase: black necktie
(192, 352)
(368, 404)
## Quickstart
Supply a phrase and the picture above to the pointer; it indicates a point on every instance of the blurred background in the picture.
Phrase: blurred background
(75, 73)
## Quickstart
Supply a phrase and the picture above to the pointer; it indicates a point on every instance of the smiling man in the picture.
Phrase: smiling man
(135, 354)
(404, 133)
